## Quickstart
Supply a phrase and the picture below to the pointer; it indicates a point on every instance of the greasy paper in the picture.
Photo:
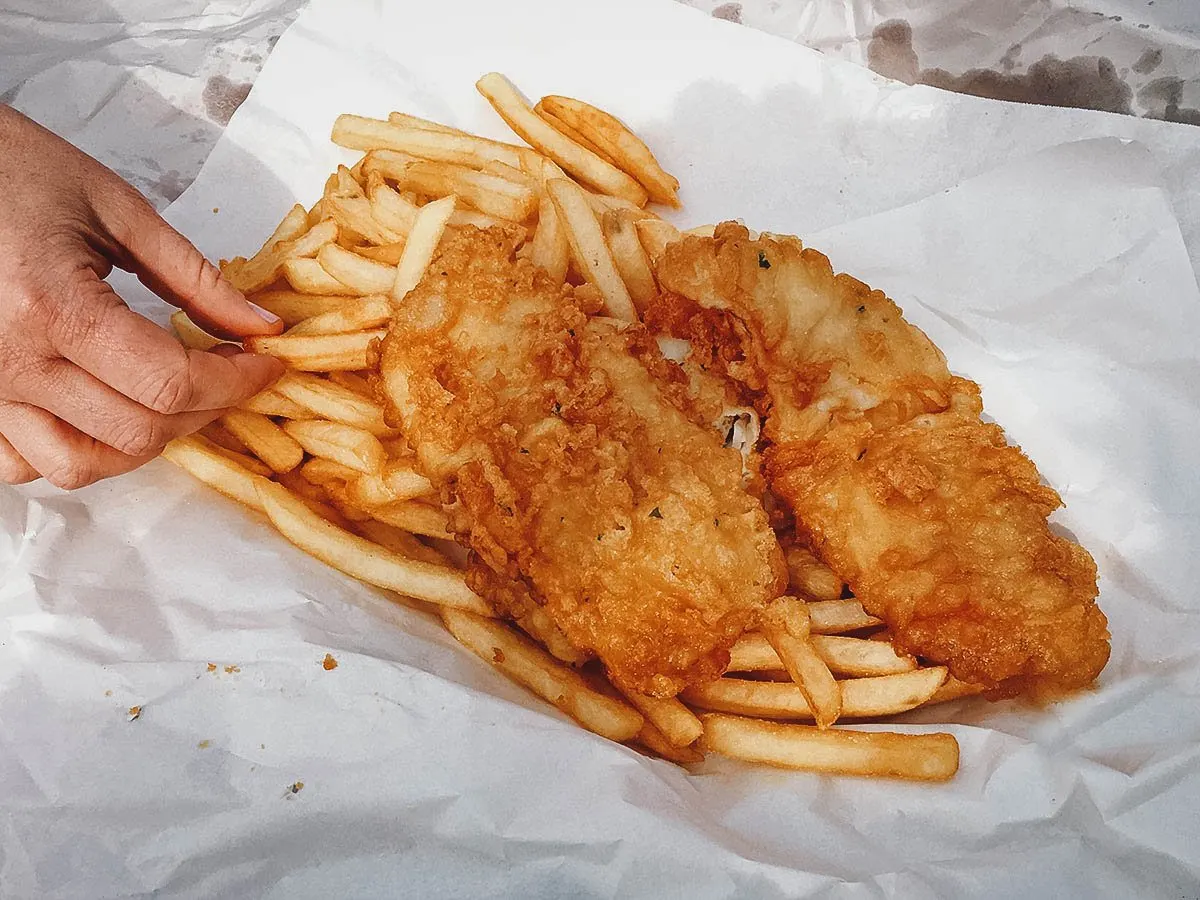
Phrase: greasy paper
(1043, 250)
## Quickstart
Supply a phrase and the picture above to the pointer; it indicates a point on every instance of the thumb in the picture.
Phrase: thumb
(167, 263)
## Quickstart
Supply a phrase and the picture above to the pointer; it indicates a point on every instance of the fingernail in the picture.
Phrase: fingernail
(266, 315)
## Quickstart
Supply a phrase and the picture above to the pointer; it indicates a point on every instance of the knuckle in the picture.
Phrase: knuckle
(168, 391)
(71, 472)
(142, 435)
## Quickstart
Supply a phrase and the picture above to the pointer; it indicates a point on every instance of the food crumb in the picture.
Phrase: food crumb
(262, 746)
(297, 787)
(216, 209)
(329, 663)
(230, 670)
(134, 712)
(212, 667)
(204, 745)
(108, 693)
(497, 656)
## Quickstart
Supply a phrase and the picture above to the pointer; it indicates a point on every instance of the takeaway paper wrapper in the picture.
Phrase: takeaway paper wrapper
(1059, 281)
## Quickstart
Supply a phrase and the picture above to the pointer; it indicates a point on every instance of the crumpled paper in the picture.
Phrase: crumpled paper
(1060, 280)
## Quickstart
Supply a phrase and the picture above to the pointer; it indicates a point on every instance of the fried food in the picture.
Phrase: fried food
(937, 524)
(576, 469)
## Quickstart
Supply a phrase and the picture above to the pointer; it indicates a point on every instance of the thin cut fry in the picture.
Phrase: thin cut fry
(371, 312)
(855, 657)
(264, 438)
(952, 689)
(359, 133)
(567, 131)
(271, 403)
(655, 235)
(551, 250)
(838, 616)
(352, 382)
(524, 662)
(632, 263)
(874, 754)
(393, 210)
(245, 460)
(422, 244)
(334, 402)
(624, 148)
(413, 516)
(590, 252)
(677, 724)
(214, 469)
(190, 334)
(397, 482)
(353, 447)
(319, 353)
(294, 307)
(259, 272)
(389, 254)
(538, 624)
(489, 194)
(399, 118)
(786, 626)
(539, 134)
(399, 541)
(306, 276)
(885, 695)
(353, 214)
(362, 559)
(357, 272)
(324, 472)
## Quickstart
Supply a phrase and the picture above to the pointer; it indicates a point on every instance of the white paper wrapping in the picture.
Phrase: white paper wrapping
(1059, 280)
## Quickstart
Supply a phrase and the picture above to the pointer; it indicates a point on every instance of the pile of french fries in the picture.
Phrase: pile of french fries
(316, 454)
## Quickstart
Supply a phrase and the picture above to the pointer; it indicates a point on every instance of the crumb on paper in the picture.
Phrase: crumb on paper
(262, 746)
(329, 663)
(216, 209)
(135, 712)
(232, 670)
(212, 667)
(204, 745)
(108, 693)
(297, 787)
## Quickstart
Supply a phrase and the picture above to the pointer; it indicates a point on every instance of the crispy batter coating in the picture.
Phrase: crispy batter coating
(577, 469)
(936, 523)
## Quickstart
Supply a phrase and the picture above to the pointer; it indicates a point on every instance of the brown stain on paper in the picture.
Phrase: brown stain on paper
(222, 97)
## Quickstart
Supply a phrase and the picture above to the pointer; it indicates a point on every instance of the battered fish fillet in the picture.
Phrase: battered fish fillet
(936, 523)
(576, 468)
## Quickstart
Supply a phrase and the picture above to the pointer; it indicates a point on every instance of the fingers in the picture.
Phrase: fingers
(92, 407)
(13, 468)
(64, 456)
(101, 335)
(167, 263)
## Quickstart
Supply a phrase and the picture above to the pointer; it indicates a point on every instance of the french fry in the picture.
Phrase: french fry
(810, 576)
(190, 334)
(569, 132)
(538, 624)
(399, 541)
(847, 656)
(327, 400)
(325, 472)
(352, 382)
(513, 174)
(422, 244)
(294, 307)
(485, 192)
(463, 217)
(294, 224)
(362, 559)
(952, 689)
(319, 353)
(399, 118)
(388, 254)
(370, 312)
(363, 275)
(524, 662)
(215, 433)
(551, 250)
(306, 276)
(396, 483)
(271, 403)
(390, 164)
(874, 754)
(245, 460)
(312, 496)
(261, 271)
(656, 235)
(352, 447)
(539, 134)
(786, 625)
(359, 133)
(353, 214)
(215, 469)
(265, 439)
(885, 695)
(658, 744)
(617, 142)
(677, 724)
(839, 616)
(413, 516)
(590, 252)
(632, 263)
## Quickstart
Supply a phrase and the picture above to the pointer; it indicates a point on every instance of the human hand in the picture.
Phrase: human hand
(88, 388)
